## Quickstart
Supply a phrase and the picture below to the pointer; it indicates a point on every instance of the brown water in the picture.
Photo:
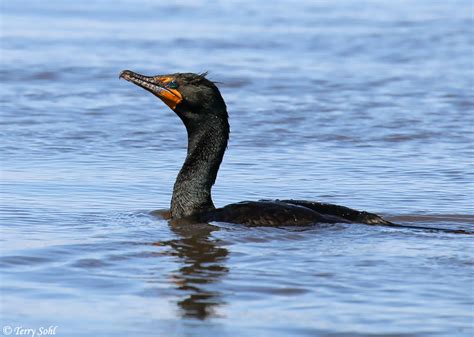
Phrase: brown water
(364, 104)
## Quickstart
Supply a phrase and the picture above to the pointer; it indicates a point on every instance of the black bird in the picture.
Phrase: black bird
(199, 104)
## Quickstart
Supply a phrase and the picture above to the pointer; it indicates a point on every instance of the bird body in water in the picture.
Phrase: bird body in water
(199, 104)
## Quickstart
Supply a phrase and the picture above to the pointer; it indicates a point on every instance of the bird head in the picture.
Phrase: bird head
(191, 96)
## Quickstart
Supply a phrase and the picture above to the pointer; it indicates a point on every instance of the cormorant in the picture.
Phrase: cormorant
(199, 104)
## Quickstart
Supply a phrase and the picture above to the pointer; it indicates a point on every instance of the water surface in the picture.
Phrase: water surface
(367, 104)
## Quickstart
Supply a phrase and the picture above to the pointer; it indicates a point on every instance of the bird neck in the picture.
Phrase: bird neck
(192, 189)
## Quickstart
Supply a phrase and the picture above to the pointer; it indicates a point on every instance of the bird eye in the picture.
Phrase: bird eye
(173, 85)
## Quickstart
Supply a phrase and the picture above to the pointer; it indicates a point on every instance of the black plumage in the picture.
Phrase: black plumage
(199, 104)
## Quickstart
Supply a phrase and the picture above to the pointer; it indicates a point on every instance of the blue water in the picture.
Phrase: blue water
(367, 104)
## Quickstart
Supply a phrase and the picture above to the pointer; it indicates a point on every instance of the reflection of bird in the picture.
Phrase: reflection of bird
(199, 104)
(203, 266)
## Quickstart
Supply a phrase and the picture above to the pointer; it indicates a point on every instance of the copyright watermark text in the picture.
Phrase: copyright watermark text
(10, 330)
